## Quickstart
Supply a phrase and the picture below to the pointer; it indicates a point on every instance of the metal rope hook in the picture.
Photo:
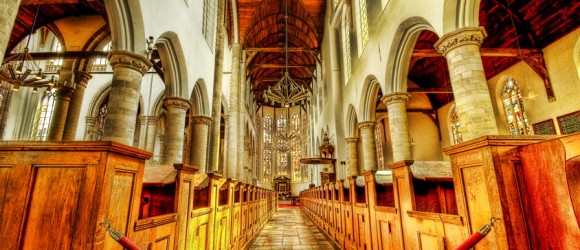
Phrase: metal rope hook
(118, 236)
(478, 235)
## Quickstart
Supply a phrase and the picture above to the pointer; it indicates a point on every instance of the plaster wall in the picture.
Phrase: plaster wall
(559, 58)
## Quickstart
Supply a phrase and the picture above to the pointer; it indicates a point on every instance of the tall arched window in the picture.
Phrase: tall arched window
(346, 43)
(43, 116)
(283, 147)
(363, 23)
(296, 170)
(101, 119)
(305, 139)
(514, 108)
(267, 161)
(208, 27)
(455, 127)
(379, 138)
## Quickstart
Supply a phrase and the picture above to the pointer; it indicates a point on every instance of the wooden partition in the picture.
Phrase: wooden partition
(56, 195)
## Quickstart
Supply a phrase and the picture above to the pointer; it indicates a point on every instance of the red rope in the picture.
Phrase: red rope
(477, 236)
(119, 237)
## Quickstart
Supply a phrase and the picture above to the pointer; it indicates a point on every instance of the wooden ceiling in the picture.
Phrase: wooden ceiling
(262, 35)
(50, 11)
(537, 24)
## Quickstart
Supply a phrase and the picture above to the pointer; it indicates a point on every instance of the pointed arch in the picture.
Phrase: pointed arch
(351, 121)
(460, 13)
(401, 51)
(199, 98)
(368, 102)
(126, 22)
(174, 65)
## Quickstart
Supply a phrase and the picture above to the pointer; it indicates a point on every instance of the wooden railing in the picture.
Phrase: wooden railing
(531, 184)
(56, 195)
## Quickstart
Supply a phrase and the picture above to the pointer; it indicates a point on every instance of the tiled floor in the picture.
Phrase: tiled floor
(290, 229)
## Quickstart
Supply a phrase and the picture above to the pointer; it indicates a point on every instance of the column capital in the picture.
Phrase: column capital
(367, 124)
(351, 140)
(460, 37)
(65, 92)
(151, 120)
(82, 78)
(129, 60)
(203, 120)
(177, 103)
(90, 119)
(396, 97)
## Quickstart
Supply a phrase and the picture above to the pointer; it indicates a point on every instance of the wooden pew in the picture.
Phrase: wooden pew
(549, 182)
(337, 211)
(384, 215)
(236, 222)
(55, 194)
(360, 209)
(200, 224)
(347, 215)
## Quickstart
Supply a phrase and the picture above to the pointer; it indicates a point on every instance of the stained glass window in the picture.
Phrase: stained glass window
(282, 146)
(455, 127)
(267, 161)
(346, 38)
(379, 135)
(514, 108)
(364, 24)
(296, 170)
(43, 116)
(305, 139)
(101, 119)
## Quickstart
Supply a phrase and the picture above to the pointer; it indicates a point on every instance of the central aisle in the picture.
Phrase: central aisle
(290, 229)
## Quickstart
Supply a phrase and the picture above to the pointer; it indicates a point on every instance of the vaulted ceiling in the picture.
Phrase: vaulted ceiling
(50, 11)
(262, 35)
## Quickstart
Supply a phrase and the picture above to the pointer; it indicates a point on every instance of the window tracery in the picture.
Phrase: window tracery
(455, 127)
(364, 25)
(296, 170)
(282, 145)
(514, 108)
(379, 135)
(44, 116)
(267, 160)
(101, 119)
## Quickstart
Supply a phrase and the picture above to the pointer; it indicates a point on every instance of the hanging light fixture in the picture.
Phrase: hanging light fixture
(286, 92)
(20, 69)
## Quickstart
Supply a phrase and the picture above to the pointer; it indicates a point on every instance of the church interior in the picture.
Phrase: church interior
(290, 124)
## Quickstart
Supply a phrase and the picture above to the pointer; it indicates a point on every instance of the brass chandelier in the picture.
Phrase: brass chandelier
(20, 69)
(286, 92)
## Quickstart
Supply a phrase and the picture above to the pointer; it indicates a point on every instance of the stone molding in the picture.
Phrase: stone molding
(397, 97)
(203, 120)
(82, 78)
(367, 124)
(351, 139)
(151, 120)
(460, 37)
(130, 60)
(177, 102)
(92, 120)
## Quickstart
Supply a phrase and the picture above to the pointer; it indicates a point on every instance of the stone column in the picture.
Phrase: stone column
(242, 119)
(399, 123)
(369, 149)
(76, 103)
(128, 71)
(59, 113)
(352, 145)
(8, 11)
(90, 128)
(234, 165)
(214, 142)
(148, 132)
(201, 125)
(175, 129)
(472, 99)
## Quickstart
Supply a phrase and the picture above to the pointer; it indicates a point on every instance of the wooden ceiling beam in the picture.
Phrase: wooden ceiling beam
(65, 55)
(430, 90)
(280, 50)
(277, 66)
(487, 52)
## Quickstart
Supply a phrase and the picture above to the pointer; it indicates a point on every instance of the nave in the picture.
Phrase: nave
(290, 228)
